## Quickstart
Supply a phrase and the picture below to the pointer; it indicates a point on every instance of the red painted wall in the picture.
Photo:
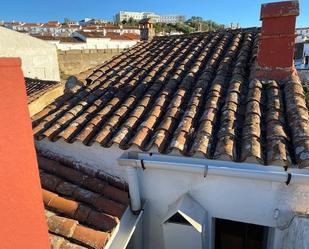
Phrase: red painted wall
(22, 221)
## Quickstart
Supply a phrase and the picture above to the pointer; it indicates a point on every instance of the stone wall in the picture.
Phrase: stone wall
(73, 62)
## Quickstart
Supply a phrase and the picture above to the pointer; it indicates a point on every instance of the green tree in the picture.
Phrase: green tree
(195, 23)
(66, 20)
(131, 20)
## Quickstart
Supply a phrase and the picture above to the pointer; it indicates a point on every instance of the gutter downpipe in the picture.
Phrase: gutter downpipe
(205, 169)
(135, 198)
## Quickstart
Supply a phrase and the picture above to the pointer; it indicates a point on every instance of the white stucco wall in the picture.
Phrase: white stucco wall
(64, 46)
(99, 43)
(105, 43)
(121, 43)
(244, 200)
(39, 58)
(306, 49)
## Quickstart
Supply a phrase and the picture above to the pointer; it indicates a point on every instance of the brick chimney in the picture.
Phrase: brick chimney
(146, 29)
(276, 48)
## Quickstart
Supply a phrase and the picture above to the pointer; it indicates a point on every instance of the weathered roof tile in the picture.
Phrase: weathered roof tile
(81, 210)
(195, 94)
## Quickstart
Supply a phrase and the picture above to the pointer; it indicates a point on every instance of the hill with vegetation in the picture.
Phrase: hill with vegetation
(193, 24)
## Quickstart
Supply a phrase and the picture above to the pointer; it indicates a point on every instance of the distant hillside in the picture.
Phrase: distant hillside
(193, 24)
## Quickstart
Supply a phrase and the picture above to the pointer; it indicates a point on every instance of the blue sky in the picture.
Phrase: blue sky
(246, 12)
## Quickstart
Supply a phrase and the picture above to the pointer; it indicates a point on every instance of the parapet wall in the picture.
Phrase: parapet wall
(73, 62)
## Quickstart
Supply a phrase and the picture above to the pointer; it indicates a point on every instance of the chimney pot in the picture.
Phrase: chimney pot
(279, 9)
(276, 47)
(147, 31)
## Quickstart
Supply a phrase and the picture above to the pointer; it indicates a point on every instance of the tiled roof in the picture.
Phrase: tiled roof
(111, 35)
(70, 40)
(118, 36)
(46, 37)
(92, 34)
(36, 88)
(193, 94)
(32, 24)
(82, 209)
(62, 39)
(130, 27)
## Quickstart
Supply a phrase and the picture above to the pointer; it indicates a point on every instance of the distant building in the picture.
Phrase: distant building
(136, 16)
(91, 21)
(302, 31)
(172, 18)
(302, 34)
(107, 40)
(301, 56)
(64, 43)
(51, 28)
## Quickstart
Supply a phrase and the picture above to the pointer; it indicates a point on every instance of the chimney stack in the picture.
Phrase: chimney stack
(276, 47)
(146, 29)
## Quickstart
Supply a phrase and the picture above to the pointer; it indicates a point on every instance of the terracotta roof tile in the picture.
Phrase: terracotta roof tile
(193, 94)
(81, 209)
(36, 88)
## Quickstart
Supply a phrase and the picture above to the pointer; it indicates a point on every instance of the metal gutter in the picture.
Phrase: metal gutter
(135, 198)
(212, 167)
(127, 226)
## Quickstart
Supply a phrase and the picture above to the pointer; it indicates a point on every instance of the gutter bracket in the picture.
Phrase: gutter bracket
(205, 170)
(142, 164)
(288, 178)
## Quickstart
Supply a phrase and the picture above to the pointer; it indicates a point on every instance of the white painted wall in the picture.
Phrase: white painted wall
(245, 200)
(306, 49)
(121, 44)
(39, 58)
(105, 43)
(297, 235)
(93, 44)
(69, 46)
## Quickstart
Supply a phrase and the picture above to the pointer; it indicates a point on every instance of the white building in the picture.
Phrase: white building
(172, 18)
(91, 21)
(136, 16)
(301, 55)
(107, 40)
(53, 28)
(302, 34)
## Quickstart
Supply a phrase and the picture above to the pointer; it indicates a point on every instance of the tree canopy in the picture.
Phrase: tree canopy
(195, 23)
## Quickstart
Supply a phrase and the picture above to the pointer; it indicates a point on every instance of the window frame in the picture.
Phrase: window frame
(211, 233)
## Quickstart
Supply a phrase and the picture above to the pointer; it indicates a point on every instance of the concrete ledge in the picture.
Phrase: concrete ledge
(40, 103)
